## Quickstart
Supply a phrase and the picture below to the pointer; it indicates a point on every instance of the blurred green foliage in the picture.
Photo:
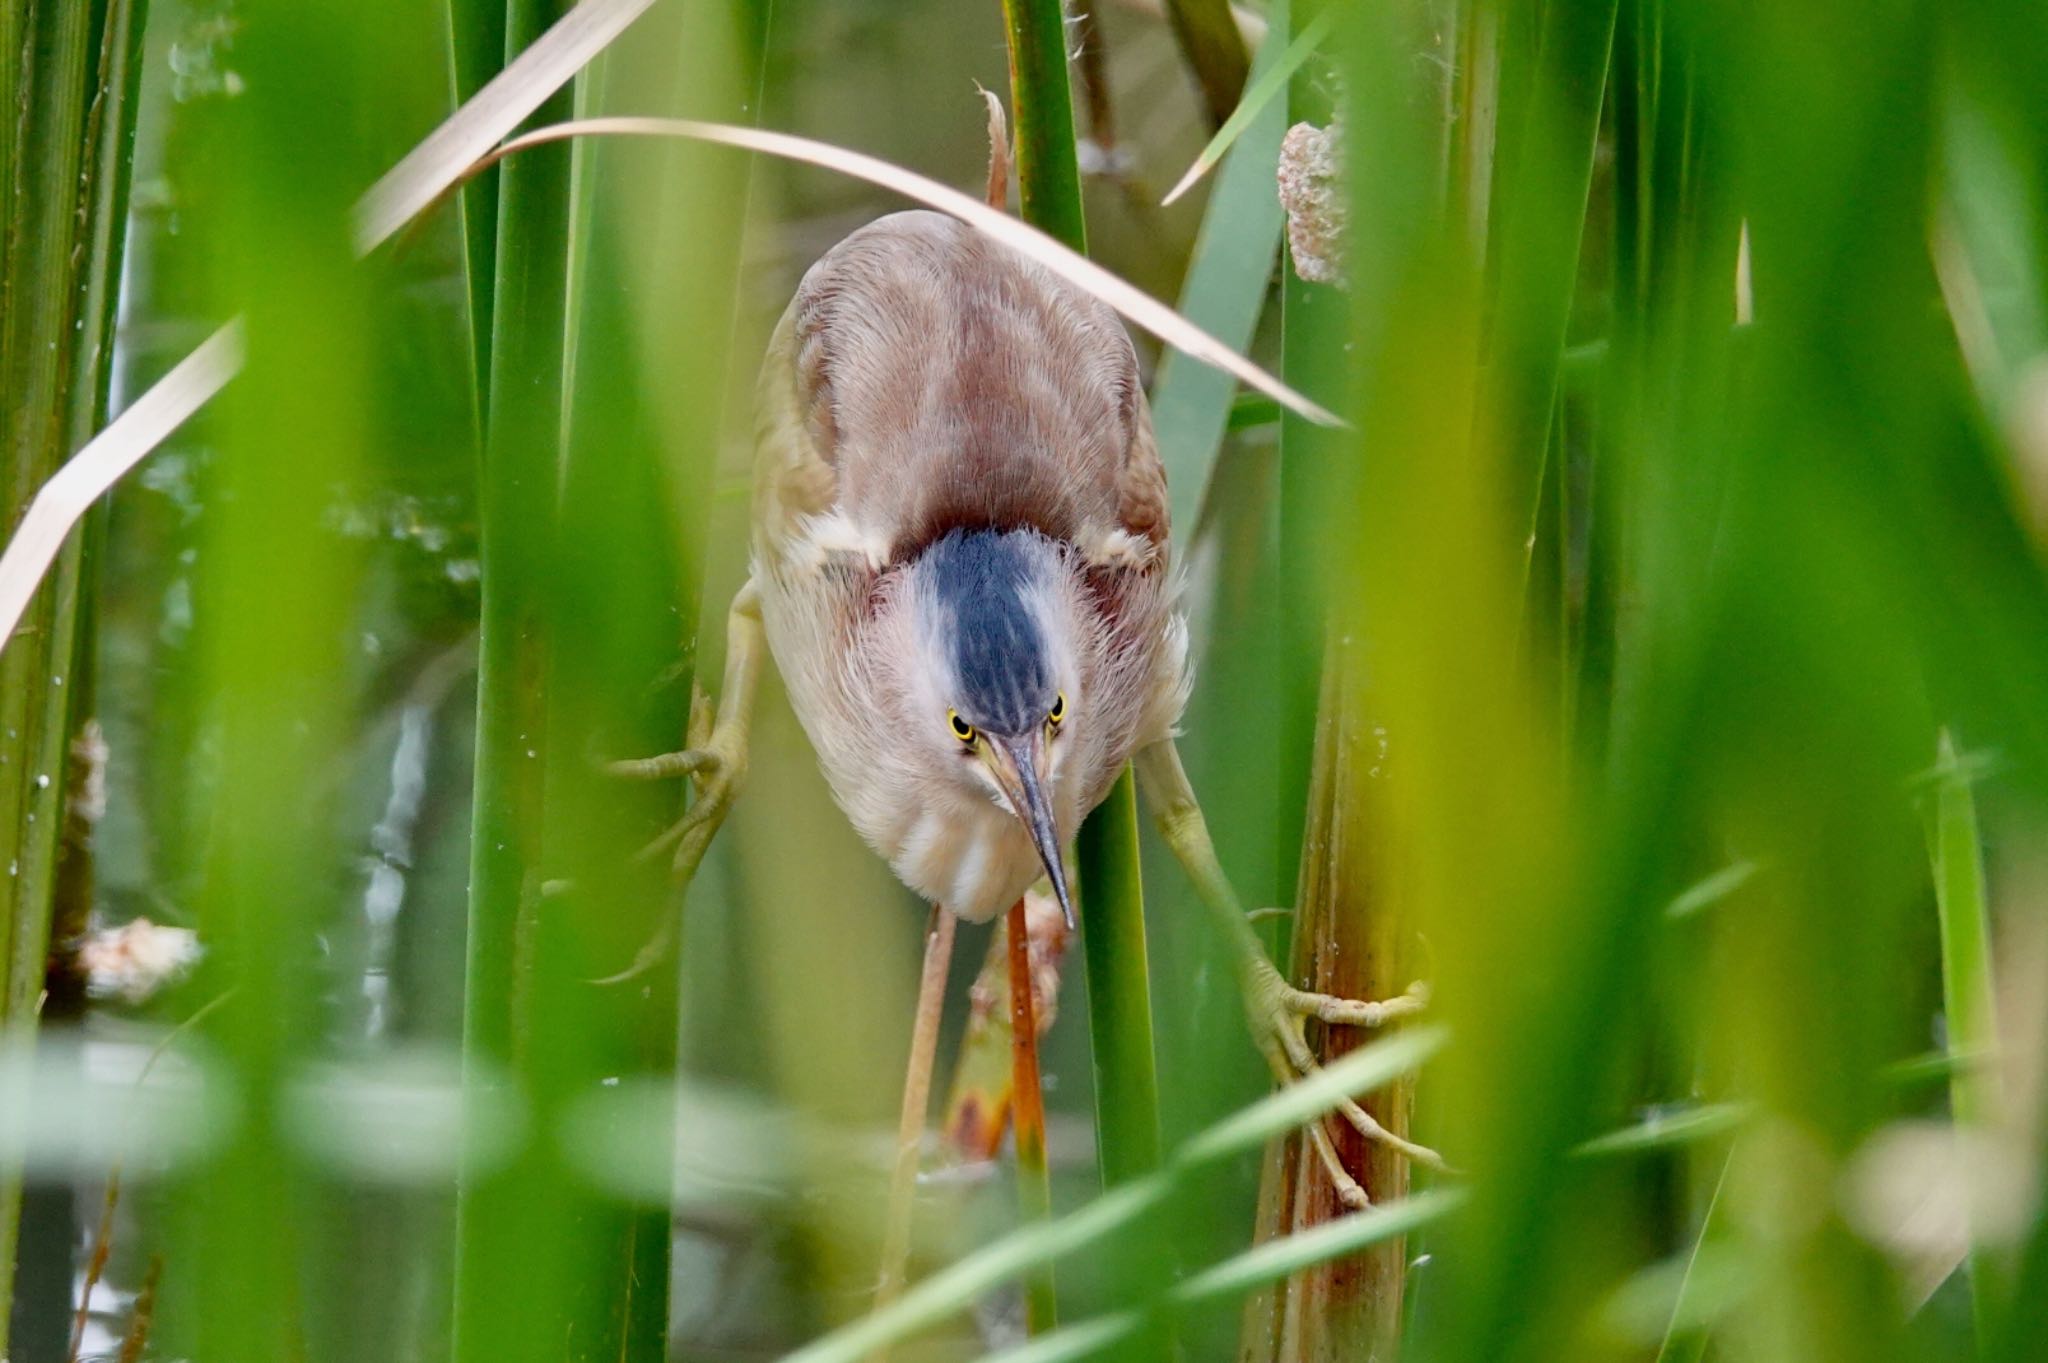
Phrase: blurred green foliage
(1696, 483)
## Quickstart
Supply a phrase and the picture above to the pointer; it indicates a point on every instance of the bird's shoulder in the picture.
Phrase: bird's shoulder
(925, 379)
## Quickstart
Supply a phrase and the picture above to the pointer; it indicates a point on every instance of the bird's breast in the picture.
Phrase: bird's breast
(976, 862)
(954, 847)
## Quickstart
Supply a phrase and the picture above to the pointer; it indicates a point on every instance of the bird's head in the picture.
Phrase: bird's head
(998, 690)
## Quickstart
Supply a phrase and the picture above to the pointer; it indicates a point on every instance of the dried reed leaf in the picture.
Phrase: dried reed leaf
(415, 182)
(1140, 308)
(73, 488)
(428, 170)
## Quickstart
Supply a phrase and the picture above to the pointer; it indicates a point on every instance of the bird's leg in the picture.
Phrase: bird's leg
(1027, 1102)
(917, 1090)
(1027, 1112)
(716, 758)
(1277, 1010)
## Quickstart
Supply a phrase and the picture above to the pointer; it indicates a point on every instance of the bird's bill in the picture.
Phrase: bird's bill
(1019, 766)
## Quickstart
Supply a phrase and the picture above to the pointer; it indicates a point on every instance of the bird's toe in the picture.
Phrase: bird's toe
(1278, 1027)
(663, 766)
(1333, 1008)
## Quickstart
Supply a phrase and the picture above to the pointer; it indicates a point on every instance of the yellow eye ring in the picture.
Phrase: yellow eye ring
(1058, 711)
(962, 730)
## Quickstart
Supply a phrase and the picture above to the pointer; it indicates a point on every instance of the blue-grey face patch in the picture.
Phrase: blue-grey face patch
(982, 580)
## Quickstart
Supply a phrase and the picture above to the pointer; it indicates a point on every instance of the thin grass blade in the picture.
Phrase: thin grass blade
(956, 1288)
(1682, 1344)
(1264, 91)
(1243, 1273)
(1290, 1254)
(1667, 1130)
(526, 1004)
(1967, 1005)
(1227, 282)
(1361, 1071)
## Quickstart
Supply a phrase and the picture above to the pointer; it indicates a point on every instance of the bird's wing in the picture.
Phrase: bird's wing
(1141, 500)
(798, 521)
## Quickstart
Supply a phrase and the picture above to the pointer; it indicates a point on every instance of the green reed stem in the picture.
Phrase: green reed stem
(1316, 478)
(1119, 988)
(509, 1299)
(629, 548)
(1120, 1008)
(63, 198)
(1049, 191)
(1544, 179)
(1042, 104)
(274, 659)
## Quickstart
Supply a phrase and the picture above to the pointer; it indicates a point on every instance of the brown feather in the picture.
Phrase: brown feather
(949, 383)
(925, 380)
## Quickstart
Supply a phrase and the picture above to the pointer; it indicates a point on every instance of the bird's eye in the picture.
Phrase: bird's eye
(962, 730)
(1058, 711)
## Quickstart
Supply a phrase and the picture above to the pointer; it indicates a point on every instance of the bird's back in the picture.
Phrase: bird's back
(922, 382)
(938, 381)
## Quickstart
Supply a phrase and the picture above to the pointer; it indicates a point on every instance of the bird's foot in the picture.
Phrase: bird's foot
(716, 763)
(1279, 1013)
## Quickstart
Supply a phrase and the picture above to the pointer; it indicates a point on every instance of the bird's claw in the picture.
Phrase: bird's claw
(716, 763)
(1279, 1013)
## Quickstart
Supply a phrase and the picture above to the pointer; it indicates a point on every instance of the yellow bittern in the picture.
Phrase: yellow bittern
(960, 564)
